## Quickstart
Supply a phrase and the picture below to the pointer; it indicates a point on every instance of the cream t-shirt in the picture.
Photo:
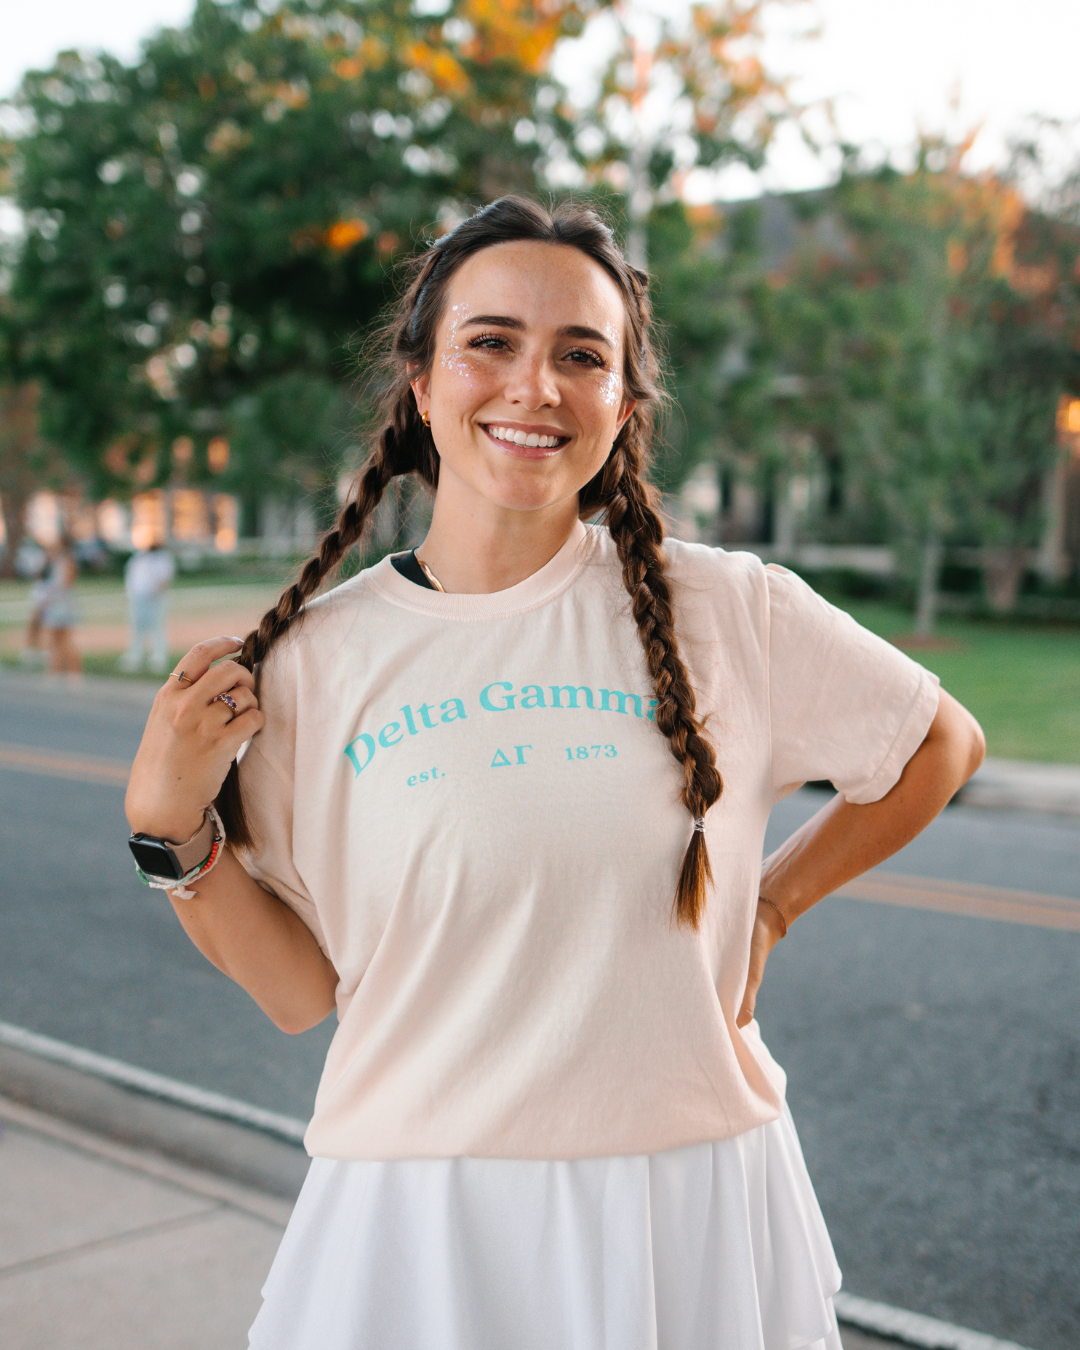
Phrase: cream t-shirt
(467, 800)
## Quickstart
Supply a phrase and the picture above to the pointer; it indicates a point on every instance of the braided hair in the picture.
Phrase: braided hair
(619, 493)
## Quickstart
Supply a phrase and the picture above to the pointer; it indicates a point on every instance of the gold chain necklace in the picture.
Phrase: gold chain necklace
(429, 573)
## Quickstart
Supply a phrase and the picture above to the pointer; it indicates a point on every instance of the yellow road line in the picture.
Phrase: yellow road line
(57, 764)
(886, 888)
(957, 897)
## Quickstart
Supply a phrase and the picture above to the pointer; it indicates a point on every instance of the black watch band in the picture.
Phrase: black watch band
(167, 861)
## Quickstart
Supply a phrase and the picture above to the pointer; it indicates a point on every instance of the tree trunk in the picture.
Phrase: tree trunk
(20, 453)
(929, 572)
(1003, 571)
(13, 506)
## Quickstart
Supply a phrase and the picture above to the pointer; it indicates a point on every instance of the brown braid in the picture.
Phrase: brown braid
(638, 533)
(619, 491)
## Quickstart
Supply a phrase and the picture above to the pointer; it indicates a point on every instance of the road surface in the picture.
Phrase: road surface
(933, 1057)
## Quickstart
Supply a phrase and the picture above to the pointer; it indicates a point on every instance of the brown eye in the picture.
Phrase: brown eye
(488, 342)
(583, 356)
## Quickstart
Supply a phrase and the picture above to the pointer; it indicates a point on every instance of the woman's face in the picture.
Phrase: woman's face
(525, 391)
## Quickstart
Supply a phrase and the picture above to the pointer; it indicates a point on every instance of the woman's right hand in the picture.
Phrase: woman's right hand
(191, 739)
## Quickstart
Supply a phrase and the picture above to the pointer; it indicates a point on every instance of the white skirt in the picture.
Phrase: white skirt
(710, 1247)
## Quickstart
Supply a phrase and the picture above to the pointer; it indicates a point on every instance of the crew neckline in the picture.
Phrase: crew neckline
(544, 585)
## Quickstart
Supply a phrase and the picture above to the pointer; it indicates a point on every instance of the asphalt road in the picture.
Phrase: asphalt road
(933, 1060)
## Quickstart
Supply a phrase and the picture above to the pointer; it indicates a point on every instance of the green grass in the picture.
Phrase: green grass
(1021, 680)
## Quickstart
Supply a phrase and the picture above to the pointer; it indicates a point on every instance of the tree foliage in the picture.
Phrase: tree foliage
(933, 342)
(220, 217)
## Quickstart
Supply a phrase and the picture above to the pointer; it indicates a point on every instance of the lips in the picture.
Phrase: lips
(521, 440)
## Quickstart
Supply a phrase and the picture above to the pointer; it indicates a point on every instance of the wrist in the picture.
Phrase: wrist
(773, 915)
(175, 827)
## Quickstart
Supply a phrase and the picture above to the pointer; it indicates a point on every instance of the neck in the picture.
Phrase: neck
(492, 551)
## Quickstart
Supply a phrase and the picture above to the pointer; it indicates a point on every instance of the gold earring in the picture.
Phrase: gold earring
(425, 419)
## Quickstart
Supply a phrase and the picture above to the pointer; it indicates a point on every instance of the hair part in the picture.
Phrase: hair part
(619, 492)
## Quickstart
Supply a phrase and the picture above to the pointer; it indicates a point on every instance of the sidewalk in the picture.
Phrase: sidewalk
(105, 1247)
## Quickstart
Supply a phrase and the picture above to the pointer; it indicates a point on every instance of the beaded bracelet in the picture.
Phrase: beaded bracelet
(180, 885)
(773, 905)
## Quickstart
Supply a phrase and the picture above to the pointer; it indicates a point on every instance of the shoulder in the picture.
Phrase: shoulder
(688, 563)
(323, 626)
(691, 564)
(711, 588)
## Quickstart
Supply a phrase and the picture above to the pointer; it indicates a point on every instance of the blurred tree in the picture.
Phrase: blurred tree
(26, 464)
(930, 358)
(207, 228)
(681, 89)
(706, 265)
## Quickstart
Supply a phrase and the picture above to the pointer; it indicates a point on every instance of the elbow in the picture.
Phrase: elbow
(295, 1021)
(975, 749)
(978, 749)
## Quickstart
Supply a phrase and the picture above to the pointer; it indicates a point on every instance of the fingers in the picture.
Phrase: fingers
(762, 941)
(201, 657)
(222, 678)
(236, 700)
(241, 728)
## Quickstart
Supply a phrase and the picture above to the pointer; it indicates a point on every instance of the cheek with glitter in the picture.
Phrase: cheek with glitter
(611, 388)
(456, 358)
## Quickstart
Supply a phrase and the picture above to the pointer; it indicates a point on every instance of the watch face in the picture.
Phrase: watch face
(155, 857)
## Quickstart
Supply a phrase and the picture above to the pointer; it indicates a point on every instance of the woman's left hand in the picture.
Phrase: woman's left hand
(767, 933)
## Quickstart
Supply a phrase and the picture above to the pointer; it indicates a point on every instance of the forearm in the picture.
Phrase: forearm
(844, 840)
(260, 943)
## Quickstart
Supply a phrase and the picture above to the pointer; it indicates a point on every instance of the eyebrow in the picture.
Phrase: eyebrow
(574, 330)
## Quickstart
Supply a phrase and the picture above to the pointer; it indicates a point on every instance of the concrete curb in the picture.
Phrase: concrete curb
(912, 1328)
(146, 1110)
(1019, 785)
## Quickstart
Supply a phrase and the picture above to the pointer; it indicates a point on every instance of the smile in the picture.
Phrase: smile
(513, 438)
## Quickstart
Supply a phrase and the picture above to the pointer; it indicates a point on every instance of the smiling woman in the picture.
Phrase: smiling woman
(475, 817)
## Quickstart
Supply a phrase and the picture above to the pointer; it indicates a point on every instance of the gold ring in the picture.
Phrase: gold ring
(182, 676)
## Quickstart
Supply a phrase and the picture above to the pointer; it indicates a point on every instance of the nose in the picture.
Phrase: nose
(533, 382)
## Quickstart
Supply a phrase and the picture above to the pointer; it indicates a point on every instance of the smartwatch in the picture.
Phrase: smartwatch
(166, 861)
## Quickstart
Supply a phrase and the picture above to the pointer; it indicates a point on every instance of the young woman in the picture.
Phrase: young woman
(503, 809)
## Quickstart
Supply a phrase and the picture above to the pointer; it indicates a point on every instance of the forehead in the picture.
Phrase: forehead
(547, 286)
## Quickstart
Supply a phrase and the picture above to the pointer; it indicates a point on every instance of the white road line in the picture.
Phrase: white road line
(153, 1084)
(913, 1328)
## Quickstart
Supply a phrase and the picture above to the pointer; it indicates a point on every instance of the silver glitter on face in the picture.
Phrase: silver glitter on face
(456, 358)
(611, 388)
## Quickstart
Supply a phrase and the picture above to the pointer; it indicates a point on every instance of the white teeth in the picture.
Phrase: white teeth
(531, 438)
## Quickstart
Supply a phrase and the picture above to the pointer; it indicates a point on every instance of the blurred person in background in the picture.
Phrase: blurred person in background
(147, 577)
(502, 808)
(56, 609)
(33, 651)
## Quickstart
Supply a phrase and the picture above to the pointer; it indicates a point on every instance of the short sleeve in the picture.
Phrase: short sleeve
(845, 705)
(267, 781)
